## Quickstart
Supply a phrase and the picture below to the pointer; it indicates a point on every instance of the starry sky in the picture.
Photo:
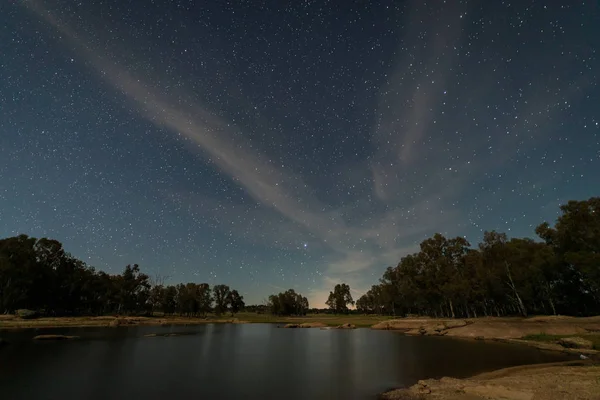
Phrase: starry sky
(291, 144)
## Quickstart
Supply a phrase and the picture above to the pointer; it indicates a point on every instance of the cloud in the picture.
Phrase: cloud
(416, 84)
(371, 240)
(215, 136)
(379, 182)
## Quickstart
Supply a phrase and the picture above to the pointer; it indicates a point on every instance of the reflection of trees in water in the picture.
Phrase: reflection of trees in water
(289, 360)
(241, 361)
(343, 369)
(112, 356)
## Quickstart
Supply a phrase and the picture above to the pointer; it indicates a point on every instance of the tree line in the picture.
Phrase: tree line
(292, 303)
(446, 278)
(39, 275)
(502, 276)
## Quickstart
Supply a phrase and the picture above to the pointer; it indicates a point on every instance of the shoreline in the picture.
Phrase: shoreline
(11, 324)
(539, 332)
(511, 330)
(568, 380)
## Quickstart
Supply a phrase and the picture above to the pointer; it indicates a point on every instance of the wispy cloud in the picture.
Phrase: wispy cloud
(416, 85)
(372, 240)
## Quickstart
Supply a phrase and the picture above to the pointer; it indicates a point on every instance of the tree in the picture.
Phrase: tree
(168, 303)
(134, 289)
(364, 303)
(340, 298)
(222, 297)
(575, 239)
(157, 292)
(18, 265)
(155, 297)
(193, 299)
(288, 303)
(373, 302)
(236, 302)
(501, 256)
(204, 298)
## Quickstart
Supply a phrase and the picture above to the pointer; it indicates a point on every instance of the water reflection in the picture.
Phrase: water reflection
(239, 361)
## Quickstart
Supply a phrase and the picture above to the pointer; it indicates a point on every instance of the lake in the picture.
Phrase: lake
(253, 361)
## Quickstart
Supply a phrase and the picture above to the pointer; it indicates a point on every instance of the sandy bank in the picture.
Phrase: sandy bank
(85, 322)
(573, 380)
(519, 327)
(556, 381)
(504, 329)
(495, 328)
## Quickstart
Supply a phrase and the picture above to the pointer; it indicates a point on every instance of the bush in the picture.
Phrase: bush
(26, 314)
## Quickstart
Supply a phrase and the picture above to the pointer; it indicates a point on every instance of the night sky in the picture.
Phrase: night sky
(291, 144)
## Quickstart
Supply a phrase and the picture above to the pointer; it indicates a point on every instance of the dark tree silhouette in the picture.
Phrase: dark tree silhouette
(222, 297)
(288, 303)
(340, 298)
(502, 276)
(236, 302)
(446, 278)
(38, 275)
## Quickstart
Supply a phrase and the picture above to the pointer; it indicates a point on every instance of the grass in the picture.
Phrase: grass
(543, 337)
(100, 321)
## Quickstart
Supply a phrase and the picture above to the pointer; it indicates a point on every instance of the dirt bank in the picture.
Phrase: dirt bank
(573, 380)
(496, 328)
(10, 322)
(557, 381)
(505, 329)
(512, 328)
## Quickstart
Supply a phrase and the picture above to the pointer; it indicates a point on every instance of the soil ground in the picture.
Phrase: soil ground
(502, 328)
(562, 381)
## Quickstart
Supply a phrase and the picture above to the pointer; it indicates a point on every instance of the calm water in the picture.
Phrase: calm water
(256, 361)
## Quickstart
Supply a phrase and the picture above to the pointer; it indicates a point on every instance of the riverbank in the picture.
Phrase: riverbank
(502, 328)
(12, 322)
(542, 332)
(557, 381)
(497, 328)
(563, 381)
(545, 332)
